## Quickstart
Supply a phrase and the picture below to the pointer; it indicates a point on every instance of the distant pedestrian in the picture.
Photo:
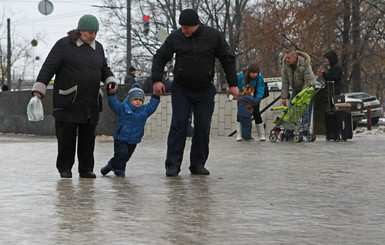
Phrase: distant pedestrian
(79, 63)
(196, 46)
(130, 78)
(334, 73)
(129, 130)
(4, 88)
(251, 76)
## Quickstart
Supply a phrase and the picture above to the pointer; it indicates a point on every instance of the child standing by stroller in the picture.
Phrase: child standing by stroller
(251, 89)
(129, 130)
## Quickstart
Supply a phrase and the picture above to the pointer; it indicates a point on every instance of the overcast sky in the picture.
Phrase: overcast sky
(28, 22)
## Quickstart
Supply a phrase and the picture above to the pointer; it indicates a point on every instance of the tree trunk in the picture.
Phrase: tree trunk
(356, 72)
(345, 46)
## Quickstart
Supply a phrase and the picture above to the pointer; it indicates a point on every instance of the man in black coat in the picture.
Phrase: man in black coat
(79, 63)
(130, 78)
(196, 46)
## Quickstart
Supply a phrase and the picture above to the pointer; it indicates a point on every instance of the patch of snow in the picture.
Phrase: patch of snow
(378, 131)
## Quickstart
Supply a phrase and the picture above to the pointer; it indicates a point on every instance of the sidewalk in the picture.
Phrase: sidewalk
(257, 193)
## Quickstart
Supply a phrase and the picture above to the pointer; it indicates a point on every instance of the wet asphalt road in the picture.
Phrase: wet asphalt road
(257, 193)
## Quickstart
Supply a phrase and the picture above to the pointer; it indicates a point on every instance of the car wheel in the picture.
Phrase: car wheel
(375, 120)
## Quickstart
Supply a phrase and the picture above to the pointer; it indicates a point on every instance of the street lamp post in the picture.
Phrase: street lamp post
(9, 54)
(128, 27)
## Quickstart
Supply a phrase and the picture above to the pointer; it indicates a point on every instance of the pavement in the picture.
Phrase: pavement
(258, 193)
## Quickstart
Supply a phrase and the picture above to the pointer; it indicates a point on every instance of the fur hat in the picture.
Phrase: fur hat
(88, 23)
(189, 17)
(135, 93)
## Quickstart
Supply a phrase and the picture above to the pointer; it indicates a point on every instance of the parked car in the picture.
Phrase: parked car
(368, 100)
(355, 109)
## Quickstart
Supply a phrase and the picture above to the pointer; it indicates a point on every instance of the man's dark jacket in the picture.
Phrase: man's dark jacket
(195, 58)
(79, 71)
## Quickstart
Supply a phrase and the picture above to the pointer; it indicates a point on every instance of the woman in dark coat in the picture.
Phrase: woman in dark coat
(334, 73)
(79, 63)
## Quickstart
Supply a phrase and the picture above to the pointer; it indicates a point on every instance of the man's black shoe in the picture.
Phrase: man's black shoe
(122, 175)
(172, 170)
(87, 175)
(105, 170)
(199, 170)
(66, 174)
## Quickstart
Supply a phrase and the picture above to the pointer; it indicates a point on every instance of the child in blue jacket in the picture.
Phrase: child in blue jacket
(129, 130)
(248, 103)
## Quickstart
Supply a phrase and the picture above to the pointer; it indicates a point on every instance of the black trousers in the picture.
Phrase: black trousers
(182, 101)
(66, 136)
(257, 115)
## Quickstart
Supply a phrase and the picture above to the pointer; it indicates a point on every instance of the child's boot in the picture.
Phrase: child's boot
(105, 170)
(120, 174)
(261, 131)
(239, 132)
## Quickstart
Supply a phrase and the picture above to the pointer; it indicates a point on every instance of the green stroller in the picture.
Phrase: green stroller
(292, 118)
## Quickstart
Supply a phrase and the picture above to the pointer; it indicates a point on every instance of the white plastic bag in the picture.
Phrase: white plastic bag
(35, 109)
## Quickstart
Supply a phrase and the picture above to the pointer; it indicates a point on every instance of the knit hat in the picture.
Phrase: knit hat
(132, 69)
(88, 23)
(189, 17)
(135, 93)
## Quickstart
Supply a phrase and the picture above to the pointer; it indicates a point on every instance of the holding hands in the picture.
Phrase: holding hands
(158, 88)
(111, 88)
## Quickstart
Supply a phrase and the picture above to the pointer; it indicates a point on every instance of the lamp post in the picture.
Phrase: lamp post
(128, 36)
(9, 54)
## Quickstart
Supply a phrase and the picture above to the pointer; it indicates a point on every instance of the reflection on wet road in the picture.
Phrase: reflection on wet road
(258, 193)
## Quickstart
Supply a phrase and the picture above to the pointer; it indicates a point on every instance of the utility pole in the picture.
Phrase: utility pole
(128, 31)
(1, 67)
(128, 55)
(9, 54)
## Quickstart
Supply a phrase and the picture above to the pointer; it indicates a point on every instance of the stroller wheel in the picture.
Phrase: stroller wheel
(310, 137)
(273, 137)
(297, 138)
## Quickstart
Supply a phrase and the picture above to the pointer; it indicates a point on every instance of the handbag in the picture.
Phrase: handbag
(266, 91)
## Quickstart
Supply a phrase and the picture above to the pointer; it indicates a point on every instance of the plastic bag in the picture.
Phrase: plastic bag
(35, 109)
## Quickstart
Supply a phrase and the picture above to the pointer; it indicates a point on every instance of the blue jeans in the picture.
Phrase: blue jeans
(122, 153)
(246, 126)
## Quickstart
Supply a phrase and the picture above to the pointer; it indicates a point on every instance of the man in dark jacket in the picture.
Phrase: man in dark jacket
(196, 46)
(334, 73)
(79, 64)
(130, 78)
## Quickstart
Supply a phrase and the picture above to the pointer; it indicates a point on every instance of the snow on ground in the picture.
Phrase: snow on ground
(375, 131)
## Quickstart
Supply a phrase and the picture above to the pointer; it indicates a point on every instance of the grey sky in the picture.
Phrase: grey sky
(27, 22)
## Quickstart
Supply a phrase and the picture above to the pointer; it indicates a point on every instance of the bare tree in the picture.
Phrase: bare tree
(226, 16)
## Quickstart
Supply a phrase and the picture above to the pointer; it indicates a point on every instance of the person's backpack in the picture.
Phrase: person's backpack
(266, 92)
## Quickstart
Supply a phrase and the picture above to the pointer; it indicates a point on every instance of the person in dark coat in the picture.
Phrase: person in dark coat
(79, 63)
(196, 46)
(334, 73)
(4, 88)
(130, 78)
